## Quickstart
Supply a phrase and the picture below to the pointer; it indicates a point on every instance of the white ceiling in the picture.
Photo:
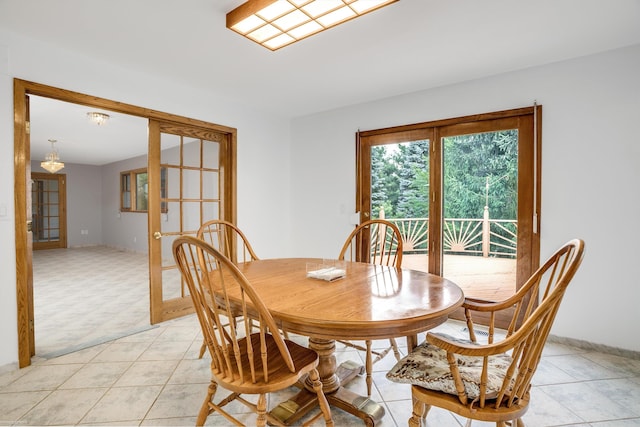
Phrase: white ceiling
(408, 46)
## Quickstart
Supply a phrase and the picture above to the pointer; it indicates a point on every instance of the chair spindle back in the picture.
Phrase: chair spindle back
(534, 307)
(375, 241)
(211, 275)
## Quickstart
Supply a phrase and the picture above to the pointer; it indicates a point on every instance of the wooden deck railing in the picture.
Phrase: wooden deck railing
(462, 236)
(479, 253)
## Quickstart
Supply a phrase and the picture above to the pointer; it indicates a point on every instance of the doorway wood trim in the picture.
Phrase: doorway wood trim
(24, 280)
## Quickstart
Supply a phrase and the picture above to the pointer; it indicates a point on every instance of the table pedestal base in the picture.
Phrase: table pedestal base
(362, 407)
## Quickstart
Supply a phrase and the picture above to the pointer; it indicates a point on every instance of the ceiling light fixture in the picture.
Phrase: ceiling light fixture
(278, 23)
(52, 164)
(98, 118)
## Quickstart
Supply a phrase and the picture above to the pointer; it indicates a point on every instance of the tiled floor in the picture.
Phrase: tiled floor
(153, 377)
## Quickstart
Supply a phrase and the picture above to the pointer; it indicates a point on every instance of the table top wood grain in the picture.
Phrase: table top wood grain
(369, 302)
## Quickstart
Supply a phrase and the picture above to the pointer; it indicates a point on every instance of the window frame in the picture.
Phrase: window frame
(128, 187)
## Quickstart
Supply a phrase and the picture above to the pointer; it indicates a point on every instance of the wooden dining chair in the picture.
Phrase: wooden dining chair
(227, 238)
(376, 241)
(491, 381)
(243, 360)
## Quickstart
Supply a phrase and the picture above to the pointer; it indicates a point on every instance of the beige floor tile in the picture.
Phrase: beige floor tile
(43, 377)
(148, 335)
(400, 411)
(81, 356)
(166, 350)
(12, 374)
(63, 407)
(178, 400)
(589, 403)
(545, 410)
(180, 332)
(122, 404)
(176, 421)
(192, 371)
(147, 373)
(122, 352)
(14, 405)
(96, 375)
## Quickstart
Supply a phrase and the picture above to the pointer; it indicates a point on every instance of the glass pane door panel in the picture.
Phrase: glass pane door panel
(191, 152)
(210, 210)
(210, 185)
(170, 146)
(172, 284)
(479, 228)
(400, 194)
(191, 184)
(173, 183)
(191, 218)
(210, 155)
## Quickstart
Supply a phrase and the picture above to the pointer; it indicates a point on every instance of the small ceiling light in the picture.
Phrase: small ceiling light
(278, 23)
(52, 164)
(98, 118)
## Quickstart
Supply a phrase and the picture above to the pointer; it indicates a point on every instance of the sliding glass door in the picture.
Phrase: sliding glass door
(465, 194)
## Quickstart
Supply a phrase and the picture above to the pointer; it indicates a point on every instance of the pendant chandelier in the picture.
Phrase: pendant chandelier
(52, 162)
(98, 118)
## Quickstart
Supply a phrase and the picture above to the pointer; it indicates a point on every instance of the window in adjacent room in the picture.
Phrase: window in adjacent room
(134, 190)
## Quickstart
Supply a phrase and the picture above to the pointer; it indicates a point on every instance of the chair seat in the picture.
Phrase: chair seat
(490, 413)
(279, 376)
(427, 367)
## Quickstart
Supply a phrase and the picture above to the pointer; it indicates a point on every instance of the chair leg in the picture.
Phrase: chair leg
(394, 346)
(205, 410)
(368, 367)
(203, 348)
(261, 409)
(322, 399)
(419, 413)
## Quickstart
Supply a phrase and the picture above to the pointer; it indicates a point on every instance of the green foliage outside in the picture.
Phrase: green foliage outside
(478, 169)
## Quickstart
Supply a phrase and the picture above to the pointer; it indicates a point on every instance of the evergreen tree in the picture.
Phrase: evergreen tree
(477, 168)
(379, 163)
(413, 197)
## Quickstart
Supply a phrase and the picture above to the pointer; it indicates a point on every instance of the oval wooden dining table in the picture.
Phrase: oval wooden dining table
(370, 302)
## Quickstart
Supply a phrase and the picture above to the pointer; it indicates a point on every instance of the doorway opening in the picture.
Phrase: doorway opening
(22, 168)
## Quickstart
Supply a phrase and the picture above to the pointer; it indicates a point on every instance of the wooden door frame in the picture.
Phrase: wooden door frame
(24, 279)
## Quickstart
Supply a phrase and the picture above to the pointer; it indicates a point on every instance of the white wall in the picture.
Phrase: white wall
(83, 190)
(263, 149)
(590, 175)
(122, 230)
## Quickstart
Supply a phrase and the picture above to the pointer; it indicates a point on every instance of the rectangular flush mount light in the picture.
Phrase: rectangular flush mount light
(277, 23)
